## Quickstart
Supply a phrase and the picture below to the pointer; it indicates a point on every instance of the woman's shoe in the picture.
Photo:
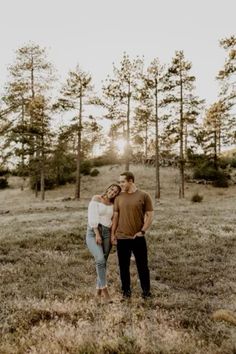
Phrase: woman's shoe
(98, 294)
(106, 295)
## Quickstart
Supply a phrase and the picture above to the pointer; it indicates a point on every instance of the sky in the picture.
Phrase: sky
(96, 33)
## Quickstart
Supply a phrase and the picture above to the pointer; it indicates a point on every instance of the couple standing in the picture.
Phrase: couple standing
(120, 217)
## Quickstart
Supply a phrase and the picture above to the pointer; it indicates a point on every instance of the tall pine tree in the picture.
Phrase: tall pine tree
(74, 94)
(31, 75)
(227, 80)
(119, 91)
(182, 105)
(155, 84)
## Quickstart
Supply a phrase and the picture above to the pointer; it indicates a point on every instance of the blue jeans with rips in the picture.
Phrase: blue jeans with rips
(100, 252)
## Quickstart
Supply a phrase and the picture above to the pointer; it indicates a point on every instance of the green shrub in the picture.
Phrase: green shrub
(94, 172)
(85, 167)
(63, 179)
(221, 181)
(104, 160)
(197, 198)
(196, 160)
(223, 162)
(4, 172)
(20, 171)
(99, 161)
(209, 173)
(49, 183)
(233, 162)
(3, 183)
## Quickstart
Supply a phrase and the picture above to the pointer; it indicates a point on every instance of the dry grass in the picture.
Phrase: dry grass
(47, 274)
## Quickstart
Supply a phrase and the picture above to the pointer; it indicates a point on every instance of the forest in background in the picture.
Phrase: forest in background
(152, 108)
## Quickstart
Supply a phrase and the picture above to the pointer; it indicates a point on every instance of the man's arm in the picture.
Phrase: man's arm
(148, 218)
(114, 227)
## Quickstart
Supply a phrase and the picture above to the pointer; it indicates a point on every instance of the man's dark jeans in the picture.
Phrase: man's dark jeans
(139, 248)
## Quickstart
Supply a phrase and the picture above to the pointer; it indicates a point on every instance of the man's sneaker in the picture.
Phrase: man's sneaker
(126, 294)
(146, 295)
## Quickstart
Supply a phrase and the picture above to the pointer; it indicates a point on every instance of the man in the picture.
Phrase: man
(133, 214)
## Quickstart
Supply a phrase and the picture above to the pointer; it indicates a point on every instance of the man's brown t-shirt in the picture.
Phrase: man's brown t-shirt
(131, 208)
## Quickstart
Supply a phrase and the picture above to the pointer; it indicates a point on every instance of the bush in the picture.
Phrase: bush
(104, 160)
(233, 162)
(4, 172)
(20, 171)
(208, 172)
(49, 183)
(85, 167)
(196, 160)
(3, 183)
(205, 172)
(221, 181)
(94, 172)
(197, 198)
(223, 162)
(63, 179)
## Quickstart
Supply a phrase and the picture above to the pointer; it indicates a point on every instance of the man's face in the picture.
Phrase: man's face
(124, 184)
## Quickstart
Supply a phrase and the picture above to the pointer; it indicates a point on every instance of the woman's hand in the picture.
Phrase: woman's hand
(98, 239)
(113, 240)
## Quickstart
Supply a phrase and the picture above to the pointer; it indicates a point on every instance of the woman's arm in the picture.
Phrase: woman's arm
(114, 227)
(93, 217)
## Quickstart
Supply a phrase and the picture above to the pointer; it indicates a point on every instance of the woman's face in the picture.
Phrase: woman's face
(112, 192)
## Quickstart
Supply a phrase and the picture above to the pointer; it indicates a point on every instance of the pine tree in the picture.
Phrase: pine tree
(18, 134)
(4, 143)
(39, 110)
(92, 136)
(119, 91)
(74, 92)
(62, 161)
(182, 105)
(215, 129)
(155, 84)
(111, 153)
(227, 80)
(31, 75)
(141, 129)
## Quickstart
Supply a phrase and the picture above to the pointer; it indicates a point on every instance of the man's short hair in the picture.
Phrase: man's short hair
(128, 175)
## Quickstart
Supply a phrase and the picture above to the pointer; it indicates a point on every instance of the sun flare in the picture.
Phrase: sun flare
(120, 145)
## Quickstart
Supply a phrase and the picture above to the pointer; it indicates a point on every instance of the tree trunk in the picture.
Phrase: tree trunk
(215, 149)
(42, 160)
(181, 162)
(32, 78)
(157, 153)
(185, 141)
(146, 138)
(33, 142)
(219, 139)
(42, 177)
(127, 154)
(78, 160)
(23, 145)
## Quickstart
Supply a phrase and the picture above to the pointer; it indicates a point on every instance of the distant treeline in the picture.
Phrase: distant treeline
(152, 107)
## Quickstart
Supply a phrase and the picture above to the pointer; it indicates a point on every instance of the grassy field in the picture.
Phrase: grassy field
(47, 275)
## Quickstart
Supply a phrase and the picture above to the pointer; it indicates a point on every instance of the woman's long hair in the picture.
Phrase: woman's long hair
(112, 185)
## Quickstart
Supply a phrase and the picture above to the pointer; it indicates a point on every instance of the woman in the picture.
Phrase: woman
(98, 237)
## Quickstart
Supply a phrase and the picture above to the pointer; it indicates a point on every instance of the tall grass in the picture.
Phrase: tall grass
(48, 276)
